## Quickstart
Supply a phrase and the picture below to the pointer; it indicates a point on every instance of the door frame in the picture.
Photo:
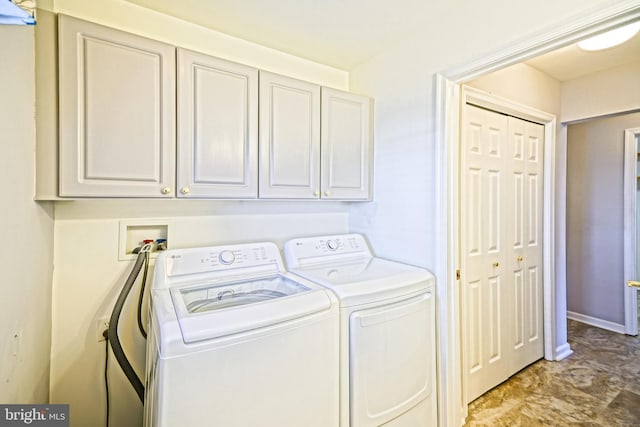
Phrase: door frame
(630, 249)
(452, 408)
(486, 100)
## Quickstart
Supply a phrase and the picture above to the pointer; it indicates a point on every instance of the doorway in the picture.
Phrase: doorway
(631, 228)
(596, 188)
(452, 404)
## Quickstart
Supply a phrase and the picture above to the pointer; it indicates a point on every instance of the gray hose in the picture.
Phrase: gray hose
(118, 351)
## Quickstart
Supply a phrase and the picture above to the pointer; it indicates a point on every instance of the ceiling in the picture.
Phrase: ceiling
(345, 33)
(571, 62)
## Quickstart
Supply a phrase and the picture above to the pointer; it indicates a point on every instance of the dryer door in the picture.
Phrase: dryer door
(390, 359)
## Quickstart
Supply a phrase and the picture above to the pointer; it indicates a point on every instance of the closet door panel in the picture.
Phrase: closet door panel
(483, 281)
(525, 237)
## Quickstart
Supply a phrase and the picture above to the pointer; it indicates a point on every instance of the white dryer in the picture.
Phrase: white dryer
(236, 341)
(387, 329)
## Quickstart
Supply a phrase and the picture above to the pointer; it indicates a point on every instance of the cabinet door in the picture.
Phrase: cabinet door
(117, 113)
(289, 137)
(345, 146)
(217, 127)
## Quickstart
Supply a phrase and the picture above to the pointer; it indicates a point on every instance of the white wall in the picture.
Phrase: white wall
(26, 232)
(607, 92)
(525, 85)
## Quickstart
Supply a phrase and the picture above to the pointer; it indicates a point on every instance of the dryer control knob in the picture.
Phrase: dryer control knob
(332, 245)
(226, 257)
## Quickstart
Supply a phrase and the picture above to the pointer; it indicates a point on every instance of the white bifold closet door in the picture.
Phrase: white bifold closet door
(501, 246)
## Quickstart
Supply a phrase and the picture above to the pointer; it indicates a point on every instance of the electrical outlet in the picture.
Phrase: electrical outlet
(101, 325)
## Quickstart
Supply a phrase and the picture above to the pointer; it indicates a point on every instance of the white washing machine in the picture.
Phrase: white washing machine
(387, 329)
(237, 341)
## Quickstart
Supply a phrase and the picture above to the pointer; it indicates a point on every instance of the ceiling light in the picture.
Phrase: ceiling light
(610, 38)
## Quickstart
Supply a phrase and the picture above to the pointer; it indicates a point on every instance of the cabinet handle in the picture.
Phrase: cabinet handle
(496, 264)
(185, 190)
(166, 190)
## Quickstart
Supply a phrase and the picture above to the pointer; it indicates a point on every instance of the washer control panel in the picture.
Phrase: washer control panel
(227, 257)
(222, 258)
(333, 244)
(314, 247)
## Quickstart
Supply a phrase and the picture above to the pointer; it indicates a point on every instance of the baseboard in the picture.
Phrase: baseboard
(563, 351)
(598, 323)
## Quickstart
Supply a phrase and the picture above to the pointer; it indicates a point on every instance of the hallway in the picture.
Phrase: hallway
(597, 385)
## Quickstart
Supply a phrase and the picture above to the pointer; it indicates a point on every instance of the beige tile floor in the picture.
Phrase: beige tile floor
(598, 385)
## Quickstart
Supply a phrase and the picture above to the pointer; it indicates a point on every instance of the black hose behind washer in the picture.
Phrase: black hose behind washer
(112, 333)
(141, 296)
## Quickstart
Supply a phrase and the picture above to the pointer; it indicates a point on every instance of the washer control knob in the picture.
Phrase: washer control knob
(332, 245)
(226, 257)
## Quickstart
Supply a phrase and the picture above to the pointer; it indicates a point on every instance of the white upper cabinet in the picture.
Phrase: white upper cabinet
(117, 113)
(217, 128)
(141, 118)
(289, 138)
(346, 146)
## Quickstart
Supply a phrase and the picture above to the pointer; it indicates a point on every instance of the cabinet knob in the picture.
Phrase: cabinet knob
(519, 258)
(185, 190)
(166, 190)
(327, 193)
(496, 264)
(316, 193)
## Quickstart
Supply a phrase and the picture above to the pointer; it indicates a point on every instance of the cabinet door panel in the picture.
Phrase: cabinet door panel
(289, 137)
(346, 145)
(117, 112)
(217, 127)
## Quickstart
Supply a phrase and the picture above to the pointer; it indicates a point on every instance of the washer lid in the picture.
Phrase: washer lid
(206, 311)
(367, 279)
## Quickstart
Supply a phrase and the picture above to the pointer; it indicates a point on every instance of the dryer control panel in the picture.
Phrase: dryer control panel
(317, 248)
